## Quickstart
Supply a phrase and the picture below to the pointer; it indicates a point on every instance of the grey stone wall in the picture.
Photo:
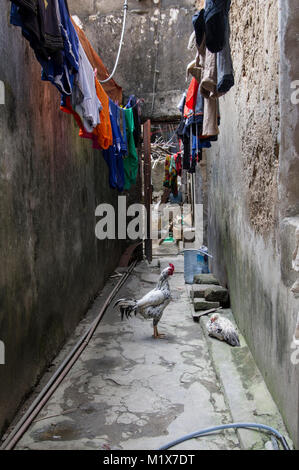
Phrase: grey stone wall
(251, 189)
(154, 56)
(50, 184)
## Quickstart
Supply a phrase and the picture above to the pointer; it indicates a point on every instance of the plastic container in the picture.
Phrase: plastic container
(190, 265)
(195, 262)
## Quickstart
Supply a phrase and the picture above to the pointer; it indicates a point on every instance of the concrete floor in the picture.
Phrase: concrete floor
(130, 391)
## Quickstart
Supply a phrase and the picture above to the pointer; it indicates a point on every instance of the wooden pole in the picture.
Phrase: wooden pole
(148, 188)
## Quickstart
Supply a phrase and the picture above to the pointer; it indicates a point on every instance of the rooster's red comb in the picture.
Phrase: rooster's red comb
(172, 266)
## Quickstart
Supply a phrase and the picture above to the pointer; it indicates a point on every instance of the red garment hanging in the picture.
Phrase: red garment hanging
(191, 97)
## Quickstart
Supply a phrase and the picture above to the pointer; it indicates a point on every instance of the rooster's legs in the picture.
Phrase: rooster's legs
(156, 334)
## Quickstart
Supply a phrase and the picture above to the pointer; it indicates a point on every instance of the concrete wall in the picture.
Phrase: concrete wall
(289, 82)
(50, 183)
(154, 55)
(253, 185)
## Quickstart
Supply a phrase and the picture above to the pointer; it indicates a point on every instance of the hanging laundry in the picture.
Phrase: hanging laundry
(188, 112)
(208, 85)
(70, 37)
(199, 30)
(182, 102)
(210, 121)
(193, 123)
(16, 19)
(225, 70)
(178, 164)
(198, 21)
(195, 116)
(84, 97)
(173, 176)
(40, 22)
(187, 153)
(134, 104)
(131, 162)
(63, 77)
(170, 178)
(113, 90)
(181, 127)
(216, 17)
(57, 67)
(208, 89)
(116, 169)
(194, 69)
(72, 65)
(123, 127)
(66, 107)
(115, 153)
(196, 123)
(191, 96)
(102, 133)
(30, 5)
(195, 159)
(166, 181)
(197, 145)
(50, 28)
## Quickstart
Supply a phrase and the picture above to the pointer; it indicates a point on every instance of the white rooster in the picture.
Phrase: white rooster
(223, 329)
(153, 304)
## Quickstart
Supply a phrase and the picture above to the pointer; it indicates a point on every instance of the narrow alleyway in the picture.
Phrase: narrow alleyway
(161, 133)
(129, 391)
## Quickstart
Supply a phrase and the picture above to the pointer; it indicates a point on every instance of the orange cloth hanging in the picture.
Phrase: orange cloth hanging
(102, 135)
(113, 90)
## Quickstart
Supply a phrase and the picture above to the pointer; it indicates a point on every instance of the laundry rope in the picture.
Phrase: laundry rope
(138, 102)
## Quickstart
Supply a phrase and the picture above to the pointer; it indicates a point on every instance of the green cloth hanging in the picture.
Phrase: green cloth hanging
(131, 160)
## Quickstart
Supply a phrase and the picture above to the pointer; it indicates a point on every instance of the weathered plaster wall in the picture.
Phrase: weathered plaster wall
(289, 83)
(154, 55)
(251, 242)
(50, 183)
(256, 55)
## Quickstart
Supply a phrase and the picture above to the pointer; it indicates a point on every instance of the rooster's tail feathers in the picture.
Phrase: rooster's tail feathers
(126, 307)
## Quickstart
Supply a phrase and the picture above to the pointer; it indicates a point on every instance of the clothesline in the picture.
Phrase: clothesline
(71, 64)
(139, 101)
(213, 76)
